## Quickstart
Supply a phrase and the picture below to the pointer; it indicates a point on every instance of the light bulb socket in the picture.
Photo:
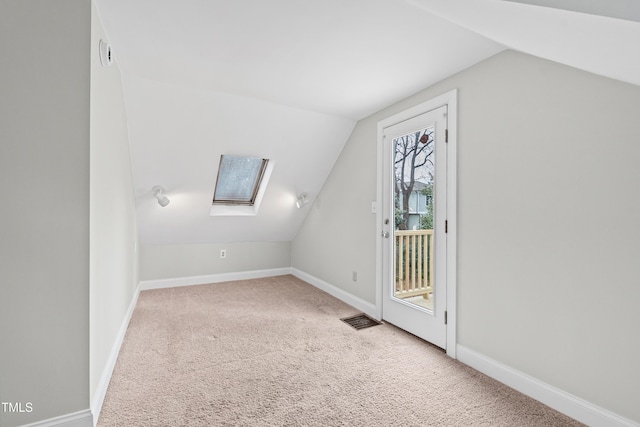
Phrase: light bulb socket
(301, 200)
(163, 201)
(158, 193)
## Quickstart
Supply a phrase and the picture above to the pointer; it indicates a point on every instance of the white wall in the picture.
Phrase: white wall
(547, 223)
(113, 247)
(338, 236)
(44, 218)
(548, 177)
(178, 134)
(159, 262)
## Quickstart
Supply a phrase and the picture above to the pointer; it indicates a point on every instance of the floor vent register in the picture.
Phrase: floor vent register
(360, 321)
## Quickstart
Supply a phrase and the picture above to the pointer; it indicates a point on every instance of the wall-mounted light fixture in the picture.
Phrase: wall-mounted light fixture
(158, 192)
(302, 200)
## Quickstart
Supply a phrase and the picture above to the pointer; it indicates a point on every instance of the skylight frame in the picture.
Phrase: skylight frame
(257, 184)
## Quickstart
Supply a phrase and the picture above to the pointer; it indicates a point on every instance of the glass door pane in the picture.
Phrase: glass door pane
(414, 173)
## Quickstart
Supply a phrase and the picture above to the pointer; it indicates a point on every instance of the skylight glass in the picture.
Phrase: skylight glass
(238, 180)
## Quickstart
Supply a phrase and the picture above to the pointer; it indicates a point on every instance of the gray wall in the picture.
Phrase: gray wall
(174, 261)
(338, 236)
(547, 223)
(113, 236)
(44, 183)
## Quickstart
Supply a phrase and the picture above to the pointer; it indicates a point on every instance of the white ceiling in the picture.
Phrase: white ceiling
(622, 9)
(288, 79)
(599, 44)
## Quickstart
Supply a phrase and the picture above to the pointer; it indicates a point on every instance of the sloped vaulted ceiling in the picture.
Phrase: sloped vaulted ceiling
(602, 37)
(282, 79)
(288, 79)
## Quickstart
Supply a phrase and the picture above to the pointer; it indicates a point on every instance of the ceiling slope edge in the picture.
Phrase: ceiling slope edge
(597, 44)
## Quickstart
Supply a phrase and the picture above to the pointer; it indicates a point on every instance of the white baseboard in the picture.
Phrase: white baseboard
(76, 419)
(551, 396)
(146, 285)
(362, 305)
(105, 378)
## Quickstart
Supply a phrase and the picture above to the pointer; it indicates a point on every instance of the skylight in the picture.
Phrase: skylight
(240, 186)
(239, 180)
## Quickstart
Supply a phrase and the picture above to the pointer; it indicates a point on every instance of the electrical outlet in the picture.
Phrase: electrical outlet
(223, 253)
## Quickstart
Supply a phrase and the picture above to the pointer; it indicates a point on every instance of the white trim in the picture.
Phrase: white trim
(551, 396)
(379, 228)
(146, 285)
(452, 218)
(448, 99)
(76, 419)
(358, 303)
(105, 378)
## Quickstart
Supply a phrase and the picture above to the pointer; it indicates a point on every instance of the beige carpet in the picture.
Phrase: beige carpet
(273, 352)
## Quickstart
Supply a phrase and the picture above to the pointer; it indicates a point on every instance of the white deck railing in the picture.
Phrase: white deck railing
(413, 263)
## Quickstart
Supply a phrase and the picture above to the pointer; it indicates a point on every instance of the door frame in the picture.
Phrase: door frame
(450, 100)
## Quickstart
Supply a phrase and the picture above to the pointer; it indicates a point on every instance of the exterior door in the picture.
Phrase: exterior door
(414, 212)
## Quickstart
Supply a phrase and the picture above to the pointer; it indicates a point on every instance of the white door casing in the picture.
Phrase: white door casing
(428, 324)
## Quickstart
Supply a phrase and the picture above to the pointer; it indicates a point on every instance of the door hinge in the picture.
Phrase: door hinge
(446, 135)
(446, 226)
(445, 317)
